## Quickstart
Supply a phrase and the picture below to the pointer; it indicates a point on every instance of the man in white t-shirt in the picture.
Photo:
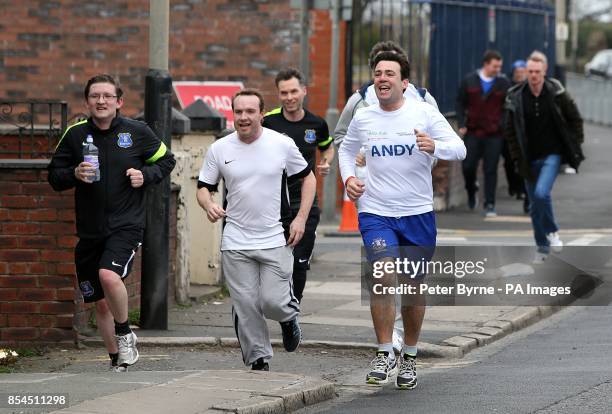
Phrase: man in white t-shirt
(257, 257)
(396, 201)
(366, 96)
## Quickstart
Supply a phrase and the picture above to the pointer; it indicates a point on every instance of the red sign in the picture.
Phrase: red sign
(217, 95)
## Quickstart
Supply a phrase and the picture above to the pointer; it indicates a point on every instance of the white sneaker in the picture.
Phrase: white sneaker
(539, 258)
(119, 368)
(128, 354)
(555, 242)
(383, 368)
(569, 170)
(407, 376)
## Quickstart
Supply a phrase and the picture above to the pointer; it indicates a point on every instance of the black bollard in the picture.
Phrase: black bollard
(155, 255)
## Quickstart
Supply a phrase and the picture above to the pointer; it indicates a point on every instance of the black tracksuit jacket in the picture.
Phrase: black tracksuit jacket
(112, 203)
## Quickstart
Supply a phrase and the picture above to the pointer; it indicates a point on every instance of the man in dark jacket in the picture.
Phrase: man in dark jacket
(109, 204)
(516, 184)
(543, 129)
(480, 103)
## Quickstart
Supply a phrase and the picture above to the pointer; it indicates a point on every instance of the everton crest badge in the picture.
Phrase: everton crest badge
(310, 136)
(124, 139)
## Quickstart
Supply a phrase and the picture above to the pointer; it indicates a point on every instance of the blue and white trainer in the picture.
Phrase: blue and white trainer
(407, 375)
(383, 367)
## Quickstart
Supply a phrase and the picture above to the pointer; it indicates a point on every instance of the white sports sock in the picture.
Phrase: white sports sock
(388, 347)
(410, 350)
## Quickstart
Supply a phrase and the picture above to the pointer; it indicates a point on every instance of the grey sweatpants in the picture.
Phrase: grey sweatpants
(259, 283)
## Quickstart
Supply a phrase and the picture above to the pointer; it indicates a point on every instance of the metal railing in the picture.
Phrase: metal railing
(407, 23)
(31, 128)
(593, 97)
(463, 30)
(445, 39)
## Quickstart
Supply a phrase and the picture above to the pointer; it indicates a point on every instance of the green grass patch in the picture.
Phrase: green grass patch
(134, 317)
(29, 352)
(91, 322)
(6, 370)
(224, 292)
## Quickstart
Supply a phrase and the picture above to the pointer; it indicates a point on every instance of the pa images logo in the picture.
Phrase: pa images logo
(310, 136)
(124, 140)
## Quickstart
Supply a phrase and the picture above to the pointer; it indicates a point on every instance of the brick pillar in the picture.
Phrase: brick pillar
(37, 295)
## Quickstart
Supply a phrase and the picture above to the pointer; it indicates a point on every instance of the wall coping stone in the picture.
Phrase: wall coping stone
(24, 163)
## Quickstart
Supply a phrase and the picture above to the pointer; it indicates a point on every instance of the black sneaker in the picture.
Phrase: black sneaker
(292, 334)
(260, 365)
(407, 375)
(382, 368)
(472, 200)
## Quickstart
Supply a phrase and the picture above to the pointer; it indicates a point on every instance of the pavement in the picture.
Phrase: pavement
(334, 315)
(202, 391)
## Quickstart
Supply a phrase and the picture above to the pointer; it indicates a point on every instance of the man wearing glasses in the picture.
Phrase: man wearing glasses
(110, 212)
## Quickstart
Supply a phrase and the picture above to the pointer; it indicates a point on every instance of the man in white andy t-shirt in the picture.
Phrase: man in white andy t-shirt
(396, 201)
(256, 255)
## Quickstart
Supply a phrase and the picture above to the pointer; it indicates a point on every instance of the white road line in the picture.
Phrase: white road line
(488, 233)
(586, 240)
(508, 219)
(34, 379)
(446, 239)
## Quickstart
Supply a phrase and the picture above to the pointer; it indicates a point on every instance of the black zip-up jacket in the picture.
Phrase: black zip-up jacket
(110, 204)
(565, 115)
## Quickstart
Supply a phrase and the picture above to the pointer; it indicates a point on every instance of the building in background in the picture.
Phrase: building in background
(50, 48)
(59, 44)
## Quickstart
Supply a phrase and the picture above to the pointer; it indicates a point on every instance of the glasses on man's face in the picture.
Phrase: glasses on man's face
(105, 97)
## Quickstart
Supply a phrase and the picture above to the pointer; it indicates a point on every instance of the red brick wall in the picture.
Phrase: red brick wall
(12, 146)
(36, 258)
(318, 91)
(320, 58)
(58, 45)
(39, 299)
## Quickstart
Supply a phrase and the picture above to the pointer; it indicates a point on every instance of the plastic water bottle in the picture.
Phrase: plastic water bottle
(90, 155)
(362, 172)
